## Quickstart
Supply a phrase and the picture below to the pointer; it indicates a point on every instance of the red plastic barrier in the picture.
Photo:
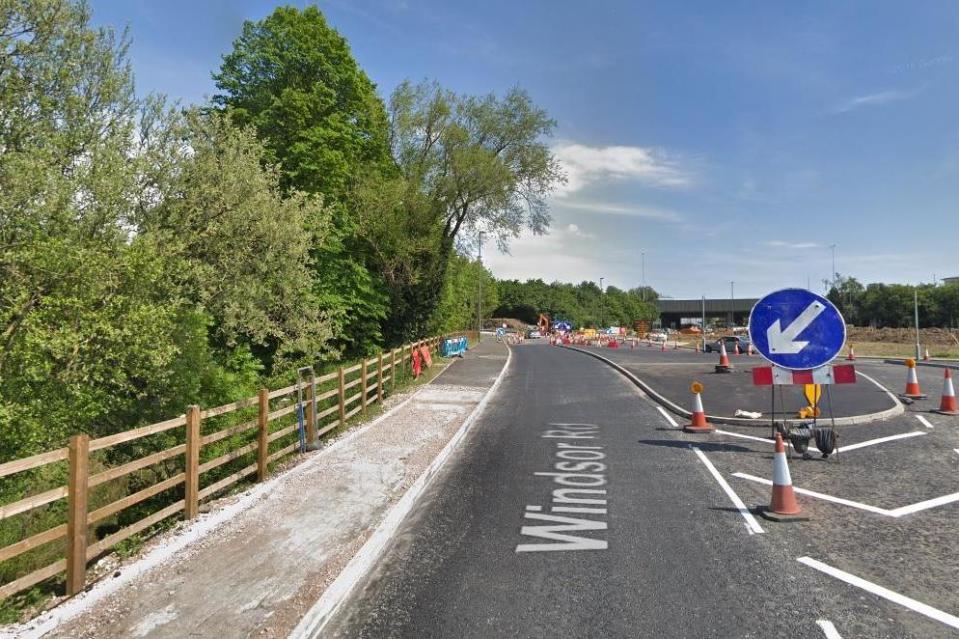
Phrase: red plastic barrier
(417, 363)
(425, 351)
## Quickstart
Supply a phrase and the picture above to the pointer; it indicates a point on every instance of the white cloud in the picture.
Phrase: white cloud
(792, 245)
(585, 165)
(618, 209)
(874, 99)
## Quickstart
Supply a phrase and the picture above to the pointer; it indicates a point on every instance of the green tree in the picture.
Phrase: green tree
(293, 78)
(480, 163)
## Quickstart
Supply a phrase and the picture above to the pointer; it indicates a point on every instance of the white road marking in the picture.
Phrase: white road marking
(810, 493)
(828, 629)
(925, 505)
(751, 522)
(956, 449)
(917, 606)
(753, 437)
(896, 512)
(669, 418)
(841, 449)
(924, 421)
(881, 440)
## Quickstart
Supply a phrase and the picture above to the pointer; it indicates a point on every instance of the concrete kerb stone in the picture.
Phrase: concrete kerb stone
(897, 409)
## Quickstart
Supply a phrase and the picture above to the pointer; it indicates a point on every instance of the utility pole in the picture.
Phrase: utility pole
(915, 306)
(479, 293)
(602, 303)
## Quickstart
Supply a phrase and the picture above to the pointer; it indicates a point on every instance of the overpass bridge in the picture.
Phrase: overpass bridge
(678, 313)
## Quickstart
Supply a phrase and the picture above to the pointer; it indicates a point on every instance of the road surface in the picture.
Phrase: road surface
(497, 548)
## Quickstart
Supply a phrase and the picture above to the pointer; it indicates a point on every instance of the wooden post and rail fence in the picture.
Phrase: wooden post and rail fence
(269, 430)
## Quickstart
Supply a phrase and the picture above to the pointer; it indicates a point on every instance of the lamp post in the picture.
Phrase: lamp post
(602, 303)
(915, 307)
(643, 254)
(479, 290)
(732, 304)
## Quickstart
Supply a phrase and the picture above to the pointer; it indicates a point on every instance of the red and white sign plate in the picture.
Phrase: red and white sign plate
(770, 375)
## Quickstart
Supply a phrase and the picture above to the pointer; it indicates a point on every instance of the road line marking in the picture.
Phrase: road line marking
(810, 493)
(956, 449)
(885, 593)
(881, 440)
(753, 437)
(751, 522)
(569, 424)
(669, 418)
(924, 421)
(828, 629)
(925, 505)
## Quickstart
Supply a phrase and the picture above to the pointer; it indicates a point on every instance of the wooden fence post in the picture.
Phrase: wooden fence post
(263, 431)
(310, 412)
(192, 506)
(79, 454)
(363, 389)
(393, 369)
(379, 378)
(342, 397)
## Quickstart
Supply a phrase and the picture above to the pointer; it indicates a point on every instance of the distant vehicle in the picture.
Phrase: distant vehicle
(731, 341)
(657, 336)
(534, 335)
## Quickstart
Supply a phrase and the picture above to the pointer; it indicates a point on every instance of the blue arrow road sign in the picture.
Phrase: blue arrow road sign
(797, 329)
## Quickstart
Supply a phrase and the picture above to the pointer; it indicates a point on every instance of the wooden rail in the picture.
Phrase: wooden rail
(325, 406)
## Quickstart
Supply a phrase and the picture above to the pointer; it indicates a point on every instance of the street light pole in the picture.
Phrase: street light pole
(703, 326)
(915, 306)
(602, 303)
(732, 304)
(643, 254)
(479, 290)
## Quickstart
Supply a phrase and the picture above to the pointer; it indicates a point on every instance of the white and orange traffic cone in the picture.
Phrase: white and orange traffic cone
(784, 504)
(912, 382)
(948, 405)
(698, 423)
(749, 349)
(925, 355)
(723, 365)
(852, 354)
(736, 350)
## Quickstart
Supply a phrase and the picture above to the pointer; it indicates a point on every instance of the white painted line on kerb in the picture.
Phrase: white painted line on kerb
(828, 629)
(669, 418)
(924, 421)
(917, 606)
(881, 440)
(751, 522)
(810, 493)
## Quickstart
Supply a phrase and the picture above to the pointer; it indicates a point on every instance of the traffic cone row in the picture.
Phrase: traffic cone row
(947, 404)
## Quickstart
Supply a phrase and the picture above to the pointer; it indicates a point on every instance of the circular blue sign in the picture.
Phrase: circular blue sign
(797, 329)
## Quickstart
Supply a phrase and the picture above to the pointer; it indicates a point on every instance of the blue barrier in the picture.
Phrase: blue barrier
(453, 347)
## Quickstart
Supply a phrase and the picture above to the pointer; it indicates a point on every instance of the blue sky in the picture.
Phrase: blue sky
(728, 141)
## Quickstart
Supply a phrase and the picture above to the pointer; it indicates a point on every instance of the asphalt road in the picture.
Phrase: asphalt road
(670, 373)
(666, 555)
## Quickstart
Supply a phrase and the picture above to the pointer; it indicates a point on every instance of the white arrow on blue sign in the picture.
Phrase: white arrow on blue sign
(797, 329)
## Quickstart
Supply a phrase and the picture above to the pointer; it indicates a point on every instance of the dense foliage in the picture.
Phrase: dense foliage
(584, 304)
(893, 305)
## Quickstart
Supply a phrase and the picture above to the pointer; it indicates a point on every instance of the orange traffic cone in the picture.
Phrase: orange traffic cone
(852, 354)
(736, 350)
(698, 424)
(912, 382)
(784, 499)
(723, 365)
(749, 349)
(925, 356)
(948, 405)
